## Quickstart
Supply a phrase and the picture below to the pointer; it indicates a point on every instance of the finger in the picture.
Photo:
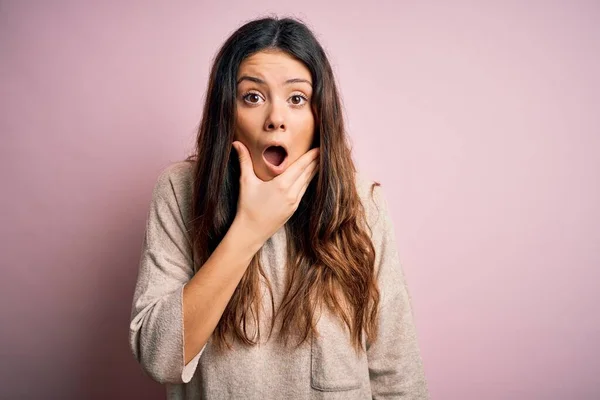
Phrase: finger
(305, 178)
(246, 167)
(308, 181)
(294, 171)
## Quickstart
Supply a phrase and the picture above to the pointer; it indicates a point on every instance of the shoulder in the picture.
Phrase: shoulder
(379, 220)
(174, 187)
(371, 194)
(175, 174)
(174, 178)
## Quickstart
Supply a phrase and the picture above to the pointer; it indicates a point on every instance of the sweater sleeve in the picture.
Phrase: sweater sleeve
(166, 265)
(395, 364)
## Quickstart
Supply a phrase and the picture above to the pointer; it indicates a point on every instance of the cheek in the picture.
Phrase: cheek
(307, 130)
(304, 132)
(245, 125)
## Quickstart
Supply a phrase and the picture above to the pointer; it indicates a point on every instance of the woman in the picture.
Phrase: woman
(269, 266)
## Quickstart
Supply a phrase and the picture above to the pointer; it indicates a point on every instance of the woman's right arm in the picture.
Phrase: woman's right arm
(174, 312)
(207, 294)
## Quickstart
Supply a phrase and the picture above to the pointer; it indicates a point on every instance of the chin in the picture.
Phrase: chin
(262, 174)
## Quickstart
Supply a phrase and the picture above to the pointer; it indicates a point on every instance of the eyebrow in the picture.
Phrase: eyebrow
(262, 82)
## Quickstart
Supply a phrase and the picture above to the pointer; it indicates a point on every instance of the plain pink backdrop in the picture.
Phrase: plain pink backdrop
(481, 121)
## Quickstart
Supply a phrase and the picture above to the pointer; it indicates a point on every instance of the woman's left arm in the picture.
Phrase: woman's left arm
(395, 364)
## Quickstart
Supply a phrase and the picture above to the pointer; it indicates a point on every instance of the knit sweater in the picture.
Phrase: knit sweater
(325, 367)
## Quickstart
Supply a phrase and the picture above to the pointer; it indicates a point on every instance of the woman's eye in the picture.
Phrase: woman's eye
(298, 99)
(252, 98)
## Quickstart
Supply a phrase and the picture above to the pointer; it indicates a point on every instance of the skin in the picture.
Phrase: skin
(274, 108)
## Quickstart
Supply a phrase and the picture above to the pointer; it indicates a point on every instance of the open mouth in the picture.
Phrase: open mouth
(275, 155)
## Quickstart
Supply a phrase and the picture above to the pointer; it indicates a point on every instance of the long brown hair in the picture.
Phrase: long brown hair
(330, 256)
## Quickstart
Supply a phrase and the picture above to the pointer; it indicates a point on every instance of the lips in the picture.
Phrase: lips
(275, 155)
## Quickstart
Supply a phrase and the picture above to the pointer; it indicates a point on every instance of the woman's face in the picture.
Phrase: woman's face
(274, 118)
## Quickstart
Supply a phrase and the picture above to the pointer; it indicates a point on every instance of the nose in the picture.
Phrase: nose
(275, 116)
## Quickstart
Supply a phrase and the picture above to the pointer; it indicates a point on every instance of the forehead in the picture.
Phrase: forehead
(273, 66)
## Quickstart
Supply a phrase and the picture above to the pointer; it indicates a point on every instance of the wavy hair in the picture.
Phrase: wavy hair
(330, 255)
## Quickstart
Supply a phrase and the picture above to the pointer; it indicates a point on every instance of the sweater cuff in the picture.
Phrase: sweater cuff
(190, 368)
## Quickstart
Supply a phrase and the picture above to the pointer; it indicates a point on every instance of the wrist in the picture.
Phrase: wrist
(244, 236)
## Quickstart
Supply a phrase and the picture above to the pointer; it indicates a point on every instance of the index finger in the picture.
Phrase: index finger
(293, 172)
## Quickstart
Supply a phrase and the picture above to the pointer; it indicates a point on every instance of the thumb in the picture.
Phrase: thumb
(244, 157)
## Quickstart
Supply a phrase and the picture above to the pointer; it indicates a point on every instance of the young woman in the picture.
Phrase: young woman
(269, 267)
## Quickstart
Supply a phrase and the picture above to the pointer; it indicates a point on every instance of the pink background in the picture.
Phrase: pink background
(481, 121)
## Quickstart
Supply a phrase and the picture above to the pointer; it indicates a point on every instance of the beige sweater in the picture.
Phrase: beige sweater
(327, 367)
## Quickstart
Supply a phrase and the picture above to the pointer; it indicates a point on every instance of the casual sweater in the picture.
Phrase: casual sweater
(327, 366)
